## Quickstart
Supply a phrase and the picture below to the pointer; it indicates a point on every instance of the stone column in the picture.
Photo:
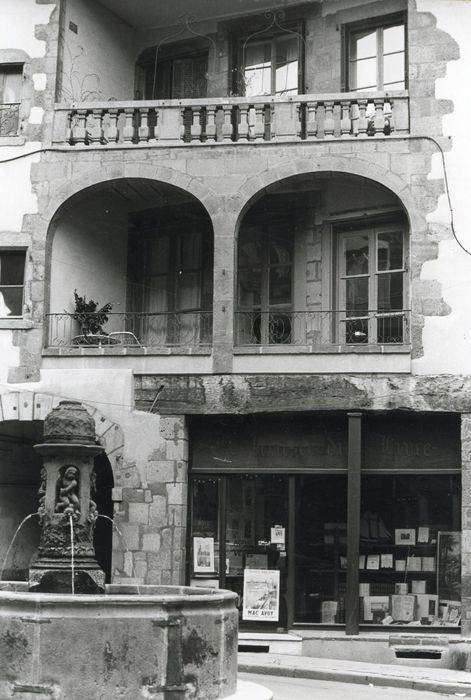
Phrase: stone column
(466, 524)
(223, 292)
(66, 557)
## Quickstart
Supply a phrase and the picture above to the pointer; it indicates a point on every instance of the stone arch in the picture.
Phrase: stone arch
(256, 185)
(34, 406)
(108, 172)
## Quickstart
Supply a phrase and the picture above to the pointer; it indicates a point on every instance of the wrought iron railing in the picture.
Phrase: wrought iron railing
(322, 328)
(131, 329)
(233, 119)
(9, 119)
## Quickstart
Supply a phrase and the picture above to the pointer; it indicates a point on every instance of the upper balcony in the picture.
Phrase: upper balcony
(307, 72)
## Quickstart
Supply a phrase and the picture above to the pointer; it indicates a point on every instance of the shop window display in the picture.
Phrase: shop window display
(410, 561)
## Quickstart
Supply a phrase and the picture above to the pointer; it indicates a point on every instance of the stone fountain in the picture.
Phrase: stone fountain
(66, 635)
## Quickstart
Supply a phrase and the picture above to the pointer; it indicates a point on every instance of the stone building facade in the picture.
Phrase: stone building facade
(221, 222)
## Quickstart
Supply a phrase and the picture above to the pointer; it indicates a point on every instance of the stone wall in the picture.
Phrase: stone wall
(151, 512)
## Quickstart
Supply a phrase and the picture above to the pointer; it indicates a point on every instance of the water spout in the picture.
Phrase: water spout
(71, 522)
(31, 515)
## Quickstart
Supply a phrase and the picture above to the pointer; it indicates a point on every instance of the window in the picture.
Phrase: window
(371, 286)
(176, 72)
(11, 78)
(170, 273)
(265, 282)
(269, 61)
(376, 56)
(12, 270)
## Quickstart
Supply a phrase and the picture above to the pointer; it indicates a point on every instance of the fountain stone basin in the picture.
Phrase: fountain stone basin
(153, 642)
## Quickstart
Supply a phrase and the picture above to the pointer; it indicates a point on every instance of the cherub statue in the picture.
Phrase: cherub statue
(68, 501)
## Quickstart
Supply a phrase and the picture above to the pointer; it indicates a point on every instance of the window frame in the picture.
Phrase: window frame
(11, 68)
(241, 40)
(381, 23)
(372, 230)
(13, 286)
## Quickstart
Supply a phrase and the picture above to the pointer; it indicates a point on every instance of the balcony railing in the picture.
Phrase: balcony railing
(185, 329)
(233, 120)
(9, 119)
(322, 328)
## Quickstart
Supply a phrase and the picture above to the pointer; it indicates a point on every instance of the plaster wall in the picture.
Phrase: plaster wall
(98, 62)
(447, 339)
(89, 253)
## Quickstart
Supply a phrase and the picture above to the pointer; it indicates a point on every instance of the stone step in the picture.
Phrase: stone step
(270, 642)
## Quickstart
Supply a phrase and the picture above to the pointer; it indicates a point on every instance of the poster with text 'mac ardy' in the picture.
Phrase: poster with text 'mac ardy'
(261, 599)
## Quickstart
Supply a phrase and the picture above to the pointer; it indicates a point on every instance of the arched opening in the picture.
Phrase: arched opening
(20, 480)
(142, 251)
(322, 261)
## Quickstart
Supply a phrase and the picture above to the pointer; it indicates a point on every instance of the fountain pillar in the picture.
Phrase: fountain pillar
(66, 510)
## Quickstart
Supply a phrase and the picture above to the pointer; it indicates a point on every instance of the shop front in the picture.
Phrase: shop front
(343, 520)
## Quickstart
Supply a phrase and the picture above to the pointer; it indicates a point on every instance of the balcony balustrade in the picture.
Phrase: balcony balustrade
(184, 329)
(322, 329)
(233, 120)
(193, 329)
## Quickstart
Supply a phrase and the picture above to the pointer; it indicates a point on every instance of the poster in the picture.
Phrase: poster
(277, 534)
(261, 599)
(203, 555)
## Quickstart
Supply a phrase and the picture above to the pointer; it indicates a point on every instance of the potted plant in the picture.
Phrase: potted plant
(91, 320)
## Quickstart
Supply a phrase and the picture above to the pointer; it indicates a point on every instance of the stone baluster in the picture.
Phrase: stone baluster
(311, 122)
(345, 121)
(128, 130)
(112, 134)
(362, 120)
(299, 121)
(379, 117)
(79, 130)
(210, 123)
(259, 122)
(329, 123)
(243, 123)
(227, 129)
(195, 128)
(143, 131)
(96, 126)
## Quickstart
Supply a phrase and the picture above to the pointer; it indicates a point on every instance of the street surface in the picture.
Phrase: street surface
(306, 689)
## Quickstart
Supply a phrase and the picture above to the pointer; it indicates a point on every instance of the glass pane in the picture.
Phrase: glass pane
(280, 252)
(250, 281)
(357, 296)
(409, 528)
(11, 301)
(321, 548)
(393, 39)
(364, 74)
(280, 285)
(364, 44)
(395, 86)
(356, 255)
(159, 254)
(189, 291)
(390, 292)
(12, 267)
(255, 505)
(257, 69)
(286, 79)
(204, 528)
(356, 331)
(394, 68)
(12, 87)
(190, 251)
(390, 329)
(250, 253)
(390, 247)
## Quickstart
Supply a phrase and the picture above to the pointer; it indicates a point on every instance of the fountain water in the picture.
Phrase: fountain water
(10, 546)
(161, 643)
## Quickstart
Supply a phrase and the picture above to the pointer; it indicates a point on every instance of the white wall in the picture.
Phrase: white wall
(447, 339)
(89, 253)
(99, 58)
